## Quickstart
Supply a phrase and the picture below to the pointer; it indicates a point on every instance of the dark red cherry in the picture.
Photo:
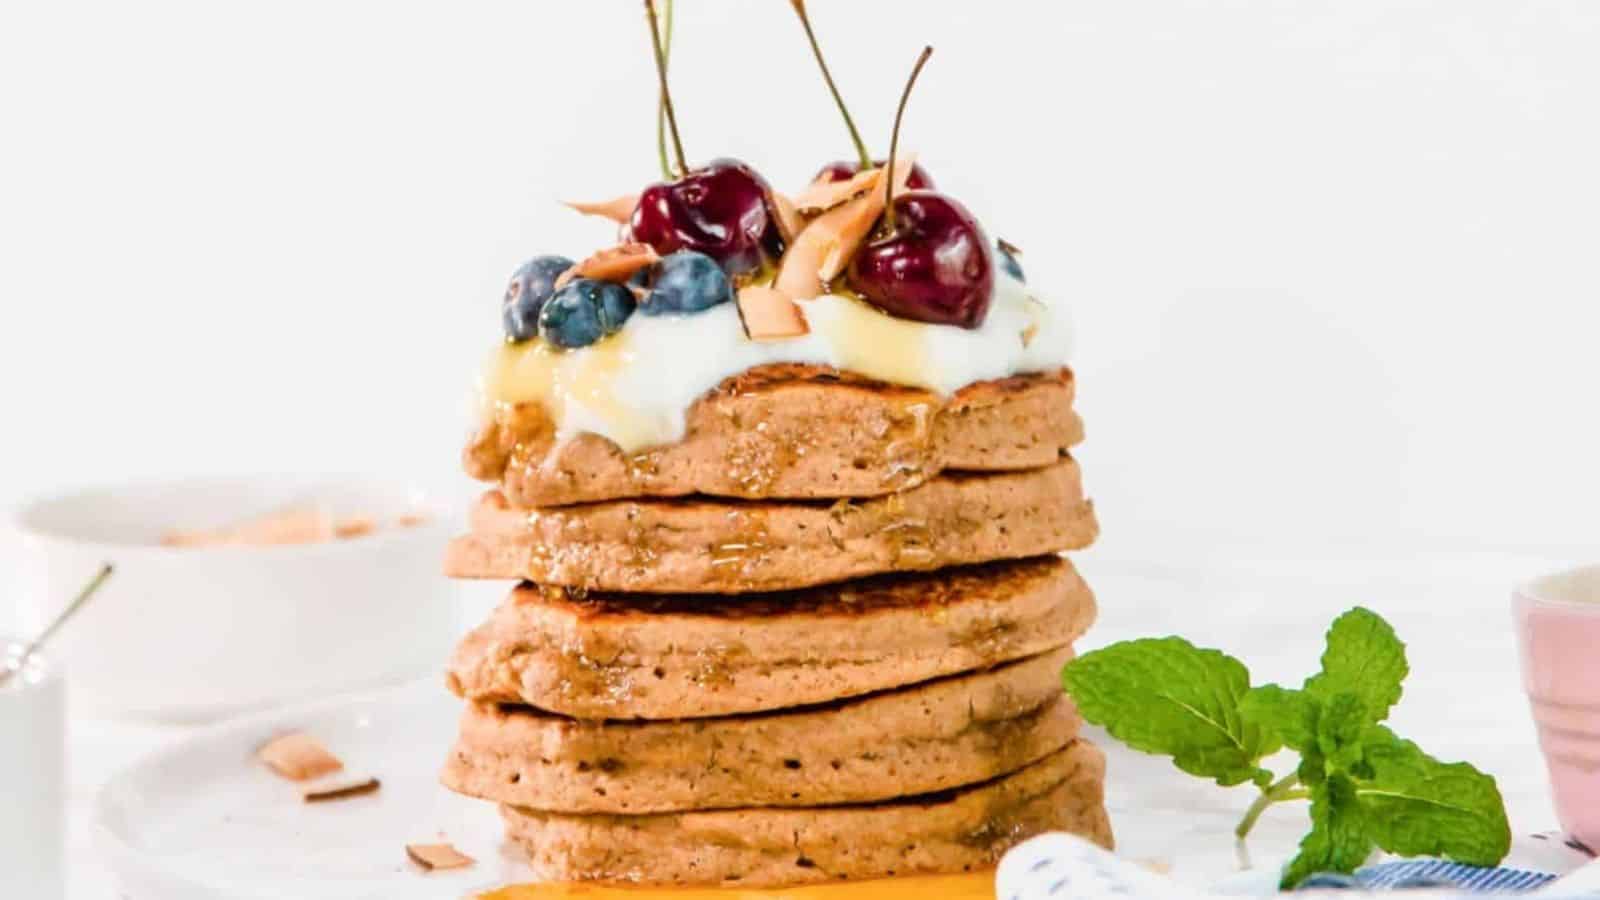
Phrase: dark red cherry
(720, 210)
(935, 265)
(841, 170)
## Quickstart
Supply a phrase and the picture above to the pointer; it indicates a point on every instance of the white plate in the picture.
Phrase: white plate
(204, 820)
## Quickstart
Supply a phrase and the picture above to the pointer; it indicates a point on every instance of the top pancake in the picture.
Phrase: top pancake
(790, 432)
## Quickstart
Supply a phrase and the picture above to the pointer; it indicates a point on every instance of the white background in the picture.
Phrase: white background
(1334, 264)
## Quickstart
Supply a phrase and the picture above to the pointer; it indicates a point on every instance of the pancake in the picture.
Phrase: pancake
(732, 547)
(651, 656)
(822, 434)
(932, 834)
(931, 737)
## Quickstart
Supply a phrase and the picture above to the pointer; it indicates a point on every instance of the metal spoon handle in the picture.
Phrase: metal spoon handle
(60, 620)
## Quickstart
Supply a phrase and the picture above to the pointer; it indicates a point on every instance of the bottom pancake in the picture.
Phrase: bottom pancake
(932, 737)
(934, 834)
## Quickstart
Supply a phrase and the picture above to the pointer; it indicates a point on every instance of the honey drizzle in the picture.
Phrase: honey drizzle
(877, 344)
(518, 374)
(907, 453)
(642, 555)
(756, 459)
(644, 467)
(910, 538)
(735, 558)
(537, 373)
(589, 382)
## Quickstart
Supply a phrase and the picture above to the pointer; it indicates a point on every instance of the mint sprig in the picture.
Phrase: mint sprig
(1338, 841)
(1368, 788)
(1363, 657)
(1188, 700)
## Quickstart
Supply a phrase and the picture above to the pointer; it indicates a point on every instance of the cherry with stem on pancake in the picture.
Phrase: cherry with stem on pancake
(719, 210)
(842, 170)
(661, 105)
(930, 260)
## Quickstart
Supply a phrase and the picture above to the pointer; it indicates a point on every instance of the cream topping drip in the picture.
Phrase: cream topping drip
(635, 387)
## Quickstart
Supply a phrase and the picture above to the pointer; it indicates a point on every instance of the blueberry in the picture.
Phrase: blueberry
(1008, 261)
(584, 311)
(617, 303)
(684, 282)
(531, 285)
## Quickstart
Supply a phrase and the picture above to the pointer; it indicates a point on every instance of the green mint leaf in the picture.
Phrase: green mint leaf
(1339, 730)
(1168, 697)
(1415, 805)
(1291, 714)
(1365, 658)
(1313, 768)
(1338, 841)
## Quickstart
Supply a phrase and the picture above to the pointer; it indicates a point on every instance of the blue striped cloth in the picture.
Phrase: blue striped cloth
(1062, 867)
(1420, 873)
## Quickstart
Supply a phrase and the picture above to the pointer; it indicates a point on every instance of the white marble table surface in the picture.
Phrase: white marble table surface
(1463, 700)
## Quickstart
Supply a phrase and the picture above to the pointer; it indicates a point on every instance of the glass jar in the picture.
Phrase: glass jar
(32, 776)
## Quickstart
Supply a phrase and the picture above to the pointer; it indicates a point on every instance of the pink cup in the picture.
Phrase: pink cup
(1558, 627)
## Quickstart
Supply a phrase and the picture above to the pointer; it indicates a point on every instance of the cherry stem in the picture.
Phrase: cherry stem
(855, 136)
(661, 73)
(661, 114)
(894, 139)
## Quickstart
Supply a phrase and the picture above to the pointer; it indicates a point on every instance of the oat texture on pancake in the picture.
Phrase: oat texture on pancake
(781, 485)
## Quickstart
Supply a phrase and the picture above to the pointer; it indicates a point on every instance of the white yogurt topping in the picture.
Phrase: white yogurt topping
(636, 387)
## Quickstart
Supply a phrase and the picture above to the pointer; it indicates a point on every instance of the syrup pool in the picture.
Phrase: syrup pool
(973, 886)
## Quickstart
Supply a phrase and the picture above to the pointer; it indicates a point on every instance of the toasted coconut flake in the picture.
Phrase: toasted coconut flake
(299, 757)
(340, 789)
(611, 264)
(438, 857)
(354, 527)
(790, 222)
(852, 231)
(617, 209)
(826, 245)
(822, 196)
(769, 314)
(855, 229)
(1037, 312)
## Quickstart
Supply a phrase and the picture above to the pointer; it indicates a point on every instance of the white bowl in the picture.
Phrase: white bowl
(188, 633)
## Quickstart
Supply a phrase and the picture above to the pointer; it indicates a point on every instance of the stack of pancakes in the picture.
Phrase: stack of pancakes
(818, 638)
